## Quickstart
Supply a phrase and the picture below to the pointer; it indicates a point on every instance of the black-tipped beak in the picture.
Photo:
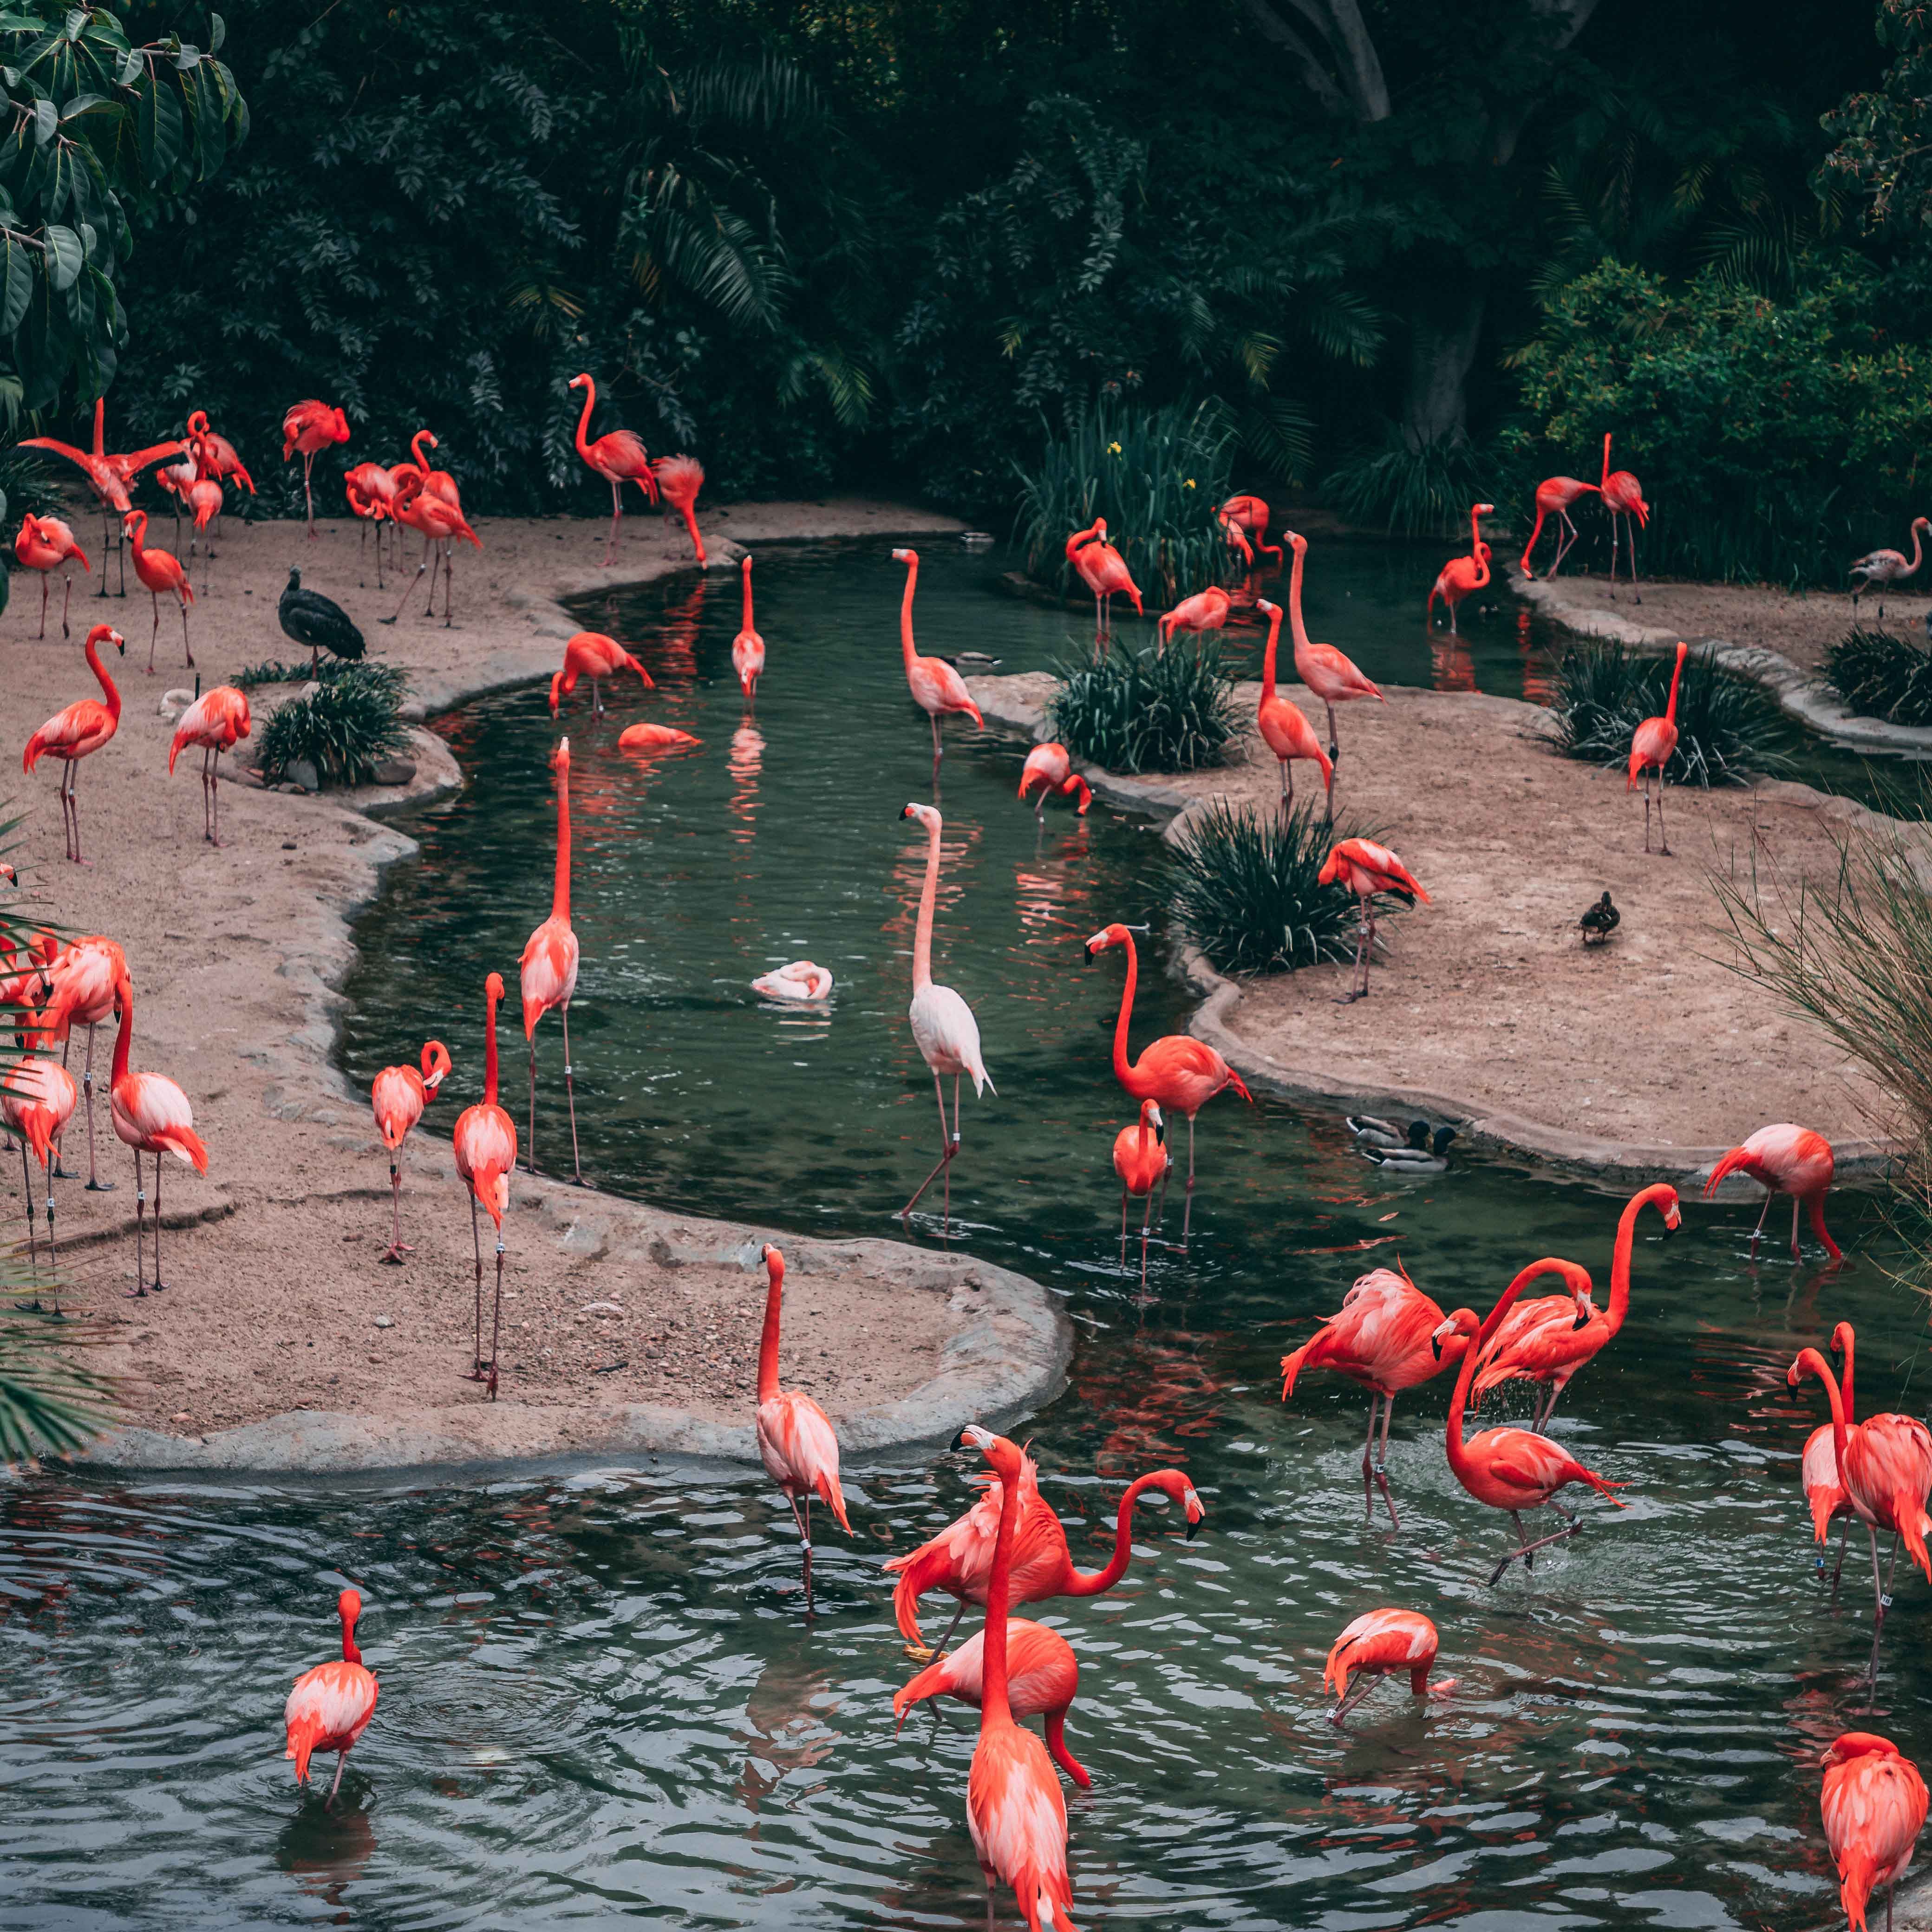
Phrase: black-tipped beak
(905, 812)
(959, 1440)
(1436, 1343)
(1193, 1530)
(1160, 1131)
(1582, 1320)
(1092, 952)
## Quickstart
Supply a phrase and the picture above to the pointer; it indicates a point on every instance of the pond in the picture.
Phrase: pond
(600, 1699)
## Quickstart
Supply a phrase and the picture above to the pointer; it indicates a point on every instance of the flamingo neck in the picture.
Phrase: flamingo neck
(137, 534)
(490, 1050)
(584, 421)
(1093, 1582)
(1124, 1073)
(1297, 629)
(1267, 656)
(994, 1709)
(350, 1655)
(1618, 1306)
(560, 897)
(1912, 568)
(415, 449)
(123, 992)
(746, 571)
(1459, 1457)
(108, 692)
(1475, 538)
(1605, 483)
(922, 943)
(1146, 1135)
(1845, 1381)
(768, 1343)
(1482, 576)
(905, 616)
(1676, 678)
(1810, 1358)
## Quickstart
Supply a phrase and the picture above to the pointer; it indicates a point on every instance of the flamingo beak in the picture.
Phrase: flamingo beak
(1582, 1320)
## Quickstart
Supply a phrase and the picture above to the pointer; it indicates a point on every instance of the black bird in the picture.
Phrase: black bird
(311, 618)
(1599, 921)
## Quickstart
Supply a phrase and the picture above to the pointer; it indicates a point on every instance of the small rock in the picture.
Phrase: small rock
(394, 772)
(383, 1321)
(183, 1417)
(299, 773)
(286, 786)
(246, 775)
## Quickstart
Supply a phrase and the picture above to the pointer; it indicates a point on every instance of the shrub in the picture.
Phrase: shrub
(1245, 889)
(1411, 492)
(1145, 711)
(1728, 728)
(345, 730)
(1880, 676)
(272, 671)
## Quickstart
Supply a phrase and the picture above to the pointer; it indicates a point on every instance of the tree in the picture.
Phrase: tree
(1884, 135)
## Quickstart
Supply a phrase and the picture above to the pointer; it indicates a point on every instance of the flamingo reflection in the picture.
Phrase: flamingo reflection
(747, 760)
(788, 1720)
(326, 1851)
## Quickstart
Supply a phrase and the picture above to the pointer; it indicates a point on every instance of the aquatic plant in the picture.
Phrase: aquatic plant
(1145, 710)
(348, 727)
(1882, 675)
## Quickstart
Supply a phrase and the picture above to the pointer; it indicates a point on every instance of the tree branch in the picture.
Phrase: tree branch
(1314, 76)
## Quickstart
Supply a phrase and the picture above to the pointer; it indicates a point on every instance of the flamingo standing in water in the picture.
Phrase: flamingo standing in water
(653, 738)
(1183, 1073)
(330, 1707)
(1462, 577)
(1367, 869)
(108, 476)
(943, 1028)
(748, 648)
(1205, 611)
(398, 1095)
(1141, 1160)
(485, 1141)
(1380, 1337)
(618, 456)
(1819, 1474)
(1547, 1338)
(1623, 497)
(81, 985)
(936, 687)
(548, 968)
(44, 543)
(679, 479)
(1873, 1804)
(796, 1442)
(1329, 674)
(215, 722)
(1248, 517)
(1512, 1469)
(1104, 571)
(37, 1098)
(1376, 1643)
(1784, 1159)
(160, 570)
(1885, 1464)
(311, 427)
(77, 729)
(1284, 726)
(1014, 1808)
(591, 654)
(1048, 770)
(151, 1115)
(1653, 745)
(1043, 1679)
(1884, 568)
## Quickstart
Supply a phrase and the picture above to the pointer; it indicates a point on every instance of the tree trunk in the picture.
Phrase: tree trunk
(1442, 351)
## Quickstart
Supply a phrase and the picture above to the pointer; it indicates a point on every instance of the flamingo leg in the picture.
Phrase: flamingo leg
(570, 1096)
(940, 1650)
(154, 598)
(74, 806)
(1147, 1216)
(53, 1255)
(938, 750)
(1613, 553)
(949, 1145)
(1844, 1534)
(27, 1188)
(617, 516)
(1878, 1607)
(1663, 832)
(308, 495)
(67, 597)
(341, 1765)
(1381, 1463)
(1637, 595)
(405, 597)
(140, 1288)
(530, 1163)
(1763, 1215)
(45, 587)
(1369, 1461)
(1123, 1227)
(1187, 1197)
(448, 580)
(476, 1374)
(396, 1249)
(95, 1185)
(158, 1283)
(1646, 809)
(1572, 1526)
(1797, 1254)
(186, 646)
(1365, 1681)
(497, 1316)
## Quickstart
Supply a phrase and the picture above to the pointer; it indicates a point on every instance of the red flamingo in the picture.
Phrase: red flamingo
(1378, 1643)
(1183, 1073)
(679, 478)
(1284, 726)
(398, 1095)
(485, 1141)
(1872, 1804)
(204, 500)
(1884, 568)
(1462, 577)
(330, 1707)
(1784, 1159)
(1381, 1337)
(591, 654)
(1329, 674)
(216, 453)
(37, 1098)
(216, 721)
(748, 648)
(1623, 497)
(1554, 496)
(796, 1440)
(151, 1115)
(441, 523)
(936, 687)
(1043, 1679)
(159, 570)
(311, 427)
(619, 457)
(80, 992)
(651, 738)
(1104, 571)
(1205, 611)
(77, 729)
(1653, 745)
(371, 491)
(44, 543)
(547, 971)
(108, 476)
(1141, 1160)
(1818, 1472)
(1048, 770)
(1248, 515)
(1367, 870)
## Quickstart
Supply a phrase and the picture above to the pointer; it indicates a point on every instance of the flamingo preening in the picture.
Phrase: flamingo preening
(1872, 1805)
(1623, 497)
(1884, 568)
(679, 479)
(1377, 1643)
(214, 723)
(548, 971)
(936, 687)
(371, 491)
(1048, 770)
(1285, 727)
(1368, 870)
(330, 1707)
(151, 1115)
(310, 427)
(398, 1095)
(1104, 571)
(1462, 577)
(77, 729)
(37, 1098)
(1784, 1159)
(748, 648)
(591, 654)
(619, 457)
(1653, 745)
(44, 543)
(1043, 1679)
(1554, 496)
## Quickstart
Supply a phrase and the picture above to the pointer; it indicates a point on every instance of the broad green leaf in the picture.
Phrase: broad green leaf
(39, 50)
(157, 127)
(217, 32)
(46, 121)
(16, 283)
(65, 255)
(188, 58)
(86, 104)
(63, 180)
(76, 19)
(211, 122)
(131, 65)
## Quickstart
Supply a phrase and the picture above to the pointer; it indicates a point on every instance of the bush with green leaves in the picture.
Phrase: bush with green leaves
(347, 728)
(1145, 710)
(1412, 490)
(1245, 887)
(1729, 729)
(1882, 675)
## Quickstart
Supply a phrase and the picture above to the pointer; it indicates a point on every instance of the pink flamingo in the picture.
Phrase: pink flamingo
(215, 722)
(159, 570)
(1653, 745)
(330, 1707)
(1367, 869)
(77, 729)
(1554, 496)
(204, 500)
(1104, 571)
(796, 1442)
(1329, 674)
(591, 654)
(1378, 1643)
(1784, 1159)
(679, 478)
(44, 543)
(1884, 568)
(398, 1095)
(1043, 1678)
(108, 476)
(151, 1115)
(1623, 497)
(748, 648)
(37, 1098)
(936, 687)
(1818, 1472)
(485, 1140)
(1380, 1337)
(799, 983)
(1248, 517)
(1462, 577)
(1048, 770)
(548, 967)
(1873, 1804)
(653, 738)
(619, 457)
(371, 491)
(216, 453)
(81, 985)
(1141, 1160)
(1205, 611)
(441, 522)
(310, 427)
(1284, 726)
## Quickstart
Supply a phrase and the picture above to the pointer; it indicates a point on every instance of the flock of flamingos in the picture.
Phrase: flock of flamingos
(1009, 1548)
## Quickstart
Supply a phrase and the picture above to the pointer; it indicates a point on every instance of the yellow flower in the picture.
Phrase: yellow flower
(1189, 485)
(1113, 449)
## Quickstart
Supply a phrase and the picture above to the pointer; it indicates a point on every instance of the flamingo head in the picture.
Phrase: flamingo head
(1151, 1116)
(493, 987)
(436, 1066)
(349, 1608)
(581, 381)
(1296, 541)
(1665, 1197)
(927, 815)
(1176, 1486)
(774, 1263)
(1842, 1338)
(197, 422)
(910, 557)
(1272, 612)
(1858, 1744)
(106, 633)
(135, 524)
(1484, 510)
(560, 759)
(1006, 1457)
(1116, 935)
(1464, 1323)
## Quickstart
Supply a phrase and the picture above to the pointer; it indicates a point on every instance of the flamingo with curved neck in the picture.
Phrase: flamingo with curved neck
(1284, 726)
(398, 1095)
(936, 687)
(485, 1141)
(76, 730)
(1622, 495)
(1332, 675)
(548, 971)
(1653, 745)
(1462, 577)
(619, 456)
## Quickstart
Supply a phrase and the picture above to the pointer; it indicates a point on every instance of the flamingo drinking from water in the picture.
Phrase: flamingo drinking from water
(1377, 1643)
(1367, 870)
(1284, 725)
(77, 729)
(214, 723)
(330, 1707)
(160, 570)
(310, 427)
(1248, 518)
(1048, 771)
(1328, 673)
(1462, 577)
(618, 456)
(1784, 1159)
(1653, 745)
(44, 543)
(485, 1141)
(591, 654)
(1043, 1679)
(1104, 571)
(1873, 1804)
(548, 968)
(748, 648)
(1141, 1160)
(936, 687)
(1554, 496)
(1623, 497)
(678, 480)
(151, 1115)
(398, 1095)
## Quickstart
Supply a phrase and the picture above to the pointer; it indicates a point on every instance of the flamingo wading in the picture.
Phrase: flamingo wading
(618, 456)
(485, 1140)
(936, 687)
(330, 1707)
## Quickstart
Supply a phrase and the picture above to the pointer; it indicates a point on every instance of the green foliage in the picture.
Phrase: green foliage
(1245, 888)
(1146, 710)
(49, 1402)
(273, 671)
(345, 730)
(1728, 729)
(1882, 675)
(1884, 134)
(1411, 491)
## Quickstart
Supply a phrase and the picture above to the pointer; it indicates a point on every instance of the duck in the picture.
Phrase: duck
(1599, 921)
(976, 661)
(1416, 1149)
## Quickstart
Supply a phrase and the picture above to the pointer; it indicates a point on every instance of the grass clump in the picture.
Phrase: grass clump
(1145, 710)
(348, 727)
(1882, 675)
(1728, 729)
(272, 671)
(1245, 890)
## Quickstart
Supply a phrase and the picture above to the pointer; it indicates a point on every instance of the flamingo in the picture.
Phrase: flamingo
(1462, 576)
(1043, 1678)
(433, 482)
(77, 729)
(485, 1141)
(796, 1442)
(108, 476)
(1885, 1464)
(591, 654)
(1547, 1339)
(1048, 770)
(1014, 1808)
(81, 985)
(1623, 497)
(548, 968)
(936, 687)
(957, 1561)
(653, 738)
(177, 479)
(943, 1028)
(748, 648)
(1376, 1643)
(151, 1115)
(1249, 516)
(1104, 571)
(371, 491)
(1653, 745)
(159, 570)
(1873, 1804)
(1818, 1472)
(330, 1707)
(43, 544)
(679, 479)
(217, 454)
(398, 1095)
(1367, 869)
(1205, 611)
(619, 457)
(1784, 1159)
(1884, 568)
(1512, 1469)
(1380, 1337)
(1142, 1159)
(1328, 673)
(1284, 726)
(214, 722)
(1182, 1073)
(800, 982)
(37, 1098)
(311, 427)
(204, 500)
(1554, 496)
(441, 522)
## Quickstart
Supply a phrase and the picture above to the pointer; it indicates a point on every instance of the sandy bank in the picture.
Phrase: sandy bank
(281, 1342)
(1644, 1056)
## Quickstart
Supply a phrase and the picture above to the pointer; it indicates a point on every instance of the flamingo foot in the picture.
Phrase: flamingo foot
(395, 1253)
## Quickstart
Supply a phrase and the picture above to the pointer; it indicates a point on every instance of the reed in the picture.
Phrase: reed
(1145, 710)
